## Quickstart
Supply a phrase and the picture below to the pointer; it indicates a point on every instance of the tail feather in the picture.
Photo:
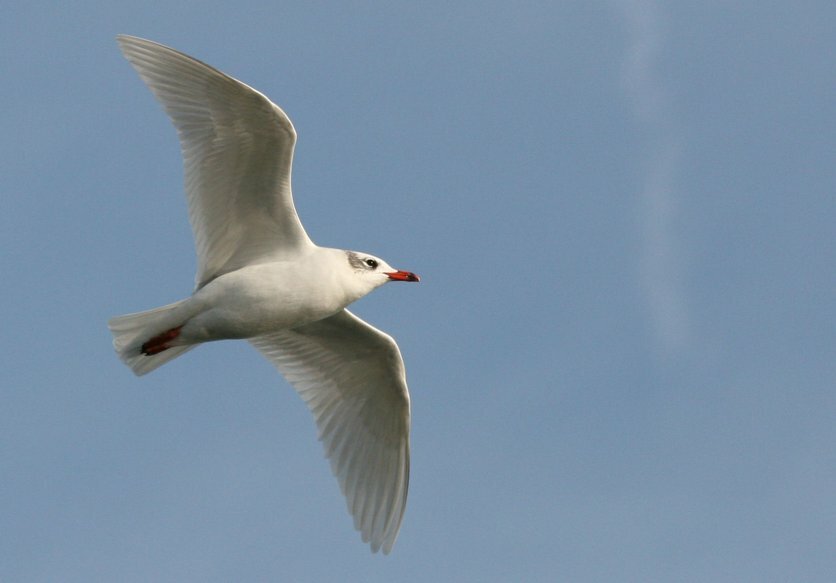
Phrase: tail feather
(132, 330)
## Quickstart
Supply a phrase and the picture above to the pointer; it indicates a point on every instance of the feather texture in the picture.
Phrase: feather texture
(237, 154)
(351, 376)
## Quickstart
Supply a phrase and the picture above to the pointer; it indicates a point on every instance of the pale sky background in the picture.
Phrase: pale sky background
(621, 354)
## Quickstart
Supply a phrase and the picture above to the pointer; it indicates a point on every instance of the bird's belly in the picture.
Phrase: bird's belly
(244, 307)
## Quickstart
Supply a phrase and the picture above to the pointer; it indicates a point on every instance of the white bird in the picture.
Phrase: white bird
(260, 278)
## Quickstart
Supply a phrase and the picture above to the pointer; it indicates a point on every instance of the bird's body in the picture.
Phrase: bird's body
(262, 279)
(258, 299)
(263, 298)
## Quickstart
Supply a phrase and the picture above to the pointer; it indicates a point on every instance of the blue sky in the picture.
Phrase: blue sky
(621, 353)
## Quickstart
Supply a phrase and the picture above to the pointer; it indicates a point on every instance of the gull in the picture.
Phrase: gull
(262, 279)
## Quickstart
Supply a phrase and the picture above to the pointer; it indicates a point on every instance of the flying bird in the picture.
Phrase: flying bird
(262, 279)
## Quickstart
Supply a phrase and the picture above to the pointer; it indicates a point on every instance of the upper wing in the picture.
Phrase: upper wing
(237, 152)
(351, 376)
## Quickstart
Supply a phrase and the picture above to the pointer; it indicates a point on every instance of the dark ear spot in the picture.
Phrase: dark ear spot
(354, 260)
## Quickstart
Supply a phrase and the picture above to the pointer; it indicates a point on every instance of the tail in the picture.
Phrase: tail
(139, 338)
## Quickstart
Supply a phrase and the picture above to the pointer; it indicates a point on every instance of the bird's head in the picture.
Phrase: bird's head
(374, 272)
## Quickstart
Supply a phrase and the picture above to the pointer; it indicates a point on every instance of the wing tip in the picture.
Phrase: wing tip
(126, 41)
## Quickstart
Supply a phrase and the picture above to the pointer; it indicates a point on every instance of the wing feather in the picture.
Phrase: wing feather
(237, 151)
(352, 378)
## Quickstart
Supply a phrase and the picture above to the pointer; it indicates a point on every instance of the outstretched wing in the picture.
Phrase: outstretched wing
(237, 153)
(351, 376)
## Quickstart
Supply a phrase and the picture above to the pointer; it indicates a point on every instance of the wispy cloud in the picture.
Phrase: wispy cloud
(661, 262)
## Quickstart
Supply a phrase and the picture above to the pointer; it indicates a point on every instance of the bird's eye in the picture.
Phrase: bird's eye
(371, 263)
